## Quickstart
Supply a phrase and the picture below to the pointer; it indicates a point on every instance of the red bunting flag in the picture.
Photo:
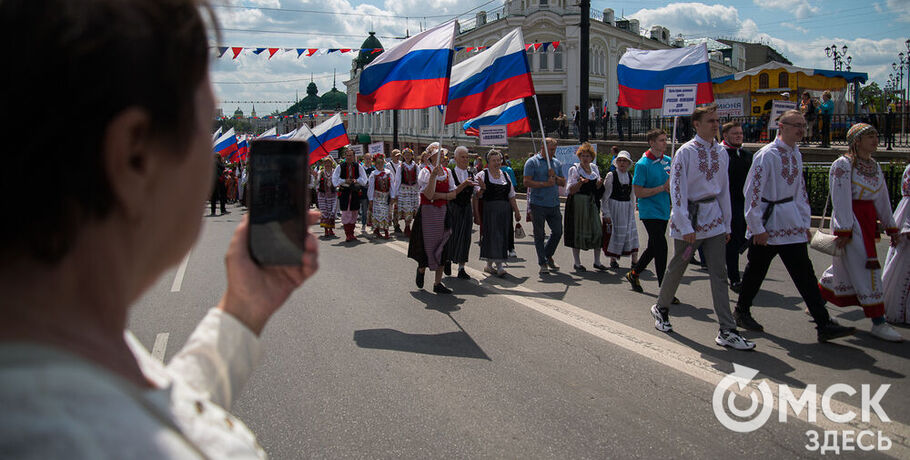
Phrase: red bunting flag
(528, 46)
(311, 51)
(345, 50)
(469, 49)
(236, 50)
(555, 45)
(272, 52)
(536, 46)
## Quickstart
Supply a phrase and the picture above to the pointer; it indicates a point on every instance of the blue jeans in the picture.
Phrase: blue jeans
(553, 218)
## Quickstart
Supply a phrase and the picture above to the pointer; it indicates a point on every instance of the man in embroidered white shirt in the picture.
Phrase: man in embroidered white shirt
(700, 217)
(778, 218)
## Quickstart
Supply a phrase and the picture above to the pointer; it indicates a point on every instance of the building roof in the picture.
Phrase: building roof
(334, 100)
(366, 57)
(851, 77)
(712, 44)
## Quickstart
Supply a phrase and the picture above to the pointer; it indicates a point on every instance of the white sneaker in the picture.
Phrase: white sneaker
(732, 339)
(661, 319)
(884, 331)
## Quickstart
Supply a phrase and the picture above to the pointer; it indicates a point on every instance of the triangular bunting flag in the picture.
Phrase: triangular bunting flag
(331, 50)
(257, 51)
(300, 51)
(222, 50)
(528, 45)
(272, 52)
(311, 51)
(376, 50)
(555, 45)
(469, 49)
(345, 50)
(236, 50)
(459, 48)
(545, 46)
(536, 46)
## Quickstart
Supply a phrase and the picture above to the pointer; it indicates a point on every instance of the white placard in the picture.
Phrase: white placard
(679, 100)
(778, 108)
(376, 147)
(566, 155)
(357, 148)
(732, 107)
(493, 135)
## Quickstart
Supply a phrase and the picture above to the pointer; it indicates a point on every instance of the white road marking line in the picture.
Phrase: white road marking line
(160, 346)
(178, 278)
(678, 357)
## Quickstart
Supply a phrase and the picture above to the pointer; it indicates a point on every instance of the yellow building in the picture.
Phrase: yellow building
(758, 86)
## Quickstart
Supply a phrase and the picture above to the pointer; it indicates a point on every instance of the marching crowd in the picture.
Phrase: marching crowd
(718, 200)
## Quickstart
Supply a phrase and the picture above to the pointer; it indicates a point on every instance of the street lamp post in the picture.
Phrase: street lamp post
(901, 67)
(842, 62)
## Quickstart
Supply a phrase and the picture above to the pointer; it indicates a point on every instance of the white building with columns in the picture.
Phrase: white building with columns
(555, 72)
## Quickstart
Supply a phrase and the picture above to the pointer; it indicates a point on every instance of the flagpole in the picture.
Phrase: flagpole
(533, 144)
(673, 145)
(442, 133)
(543, 134)
(310, 130)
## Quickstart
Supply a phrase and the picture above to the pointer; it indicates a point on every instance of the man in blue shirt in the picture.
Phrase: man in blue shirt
(544, 203)
(651, 185)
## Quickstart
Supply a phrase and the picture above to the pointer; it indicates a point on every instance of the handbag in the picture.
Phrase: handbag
(825, 242)
(519, 231)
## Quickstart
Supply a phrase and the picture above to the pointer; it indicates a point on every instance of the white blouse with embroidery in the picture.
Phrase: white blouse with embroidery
(699, 171)
(777, 174)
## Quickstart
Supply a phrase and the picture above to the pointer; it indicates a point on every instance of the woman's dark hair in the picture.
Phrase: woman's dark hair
(88, 61)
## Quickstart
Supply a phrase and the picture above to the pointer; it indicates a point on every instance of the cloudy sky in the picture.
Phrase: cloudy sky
(874, 33)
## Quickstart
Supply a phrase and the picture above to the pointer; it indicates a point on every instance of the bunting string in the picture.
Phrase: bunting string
(234, 51)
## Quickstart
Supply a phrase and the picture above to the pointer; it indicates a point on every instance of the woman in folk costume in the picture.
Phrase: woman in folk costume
(430, 233)
(859, 198)
(461, 212)
(381, 192)
(365, 219)
(349, 178)
(326, 196)
(618, 207)
(394, 165)
(407, 190)
(497, 192)
(896, 275)
(582, 229)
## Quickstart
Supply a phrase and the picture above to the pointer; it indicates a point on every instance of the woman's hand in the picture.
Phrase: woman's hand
(517, 215)
(254, 293)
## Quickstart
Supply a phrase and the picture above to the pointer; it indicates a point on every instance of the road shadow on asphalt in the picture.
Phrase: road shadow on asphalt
(457, 344)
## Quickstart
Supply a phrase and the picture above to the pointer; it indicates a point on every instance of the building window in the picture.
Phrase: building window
(544, 60)
(783, 80)
(544, 4)
(530, 60)
(763, 81)
(557, 59)
(426, 119)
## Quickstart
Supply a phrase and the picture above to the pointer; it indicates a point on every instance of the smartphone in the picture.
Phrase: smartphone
(279, 201)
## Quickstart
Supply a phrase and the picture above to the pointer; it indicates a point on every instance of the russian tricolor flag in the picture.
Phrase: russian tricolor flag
(226, 145)
(243, 150)
(288, 135)
(270, 134)
(490, 79)
(511, 114)
(642, 75)
(412, 75)
(329, 135)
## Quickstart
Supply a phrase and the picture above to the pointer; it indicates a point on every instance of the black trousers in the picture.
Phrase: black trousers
(219, 192)
(656, 250)
(796, 258)
(826, 130)
(737, 240)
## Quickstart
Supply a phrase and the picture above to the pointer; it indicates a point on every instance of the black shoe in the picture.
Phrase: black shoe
(225, 211)
(736, 286)
(419, 279)
(447, 270)
(579, 268)
(633, 278)
(463, 275)
(614, 264)
(441, 289)
(600, 267)
(833, 330)
(745, 320)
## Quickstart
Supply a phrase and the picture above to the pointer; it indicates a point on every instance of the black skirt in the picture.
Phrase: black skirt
(459, 244)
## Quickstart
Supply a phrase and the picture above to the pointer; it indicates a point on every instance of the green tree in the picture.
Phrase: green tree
(872, 97)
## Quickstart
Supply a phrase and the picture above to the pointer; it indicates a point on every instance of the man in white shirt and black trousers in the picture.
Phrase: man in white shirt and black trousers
(700, 217)
(778, 218)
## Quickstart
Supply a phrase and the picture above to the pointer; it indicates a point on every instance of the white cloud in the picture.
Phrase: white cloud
(795, 27)
(901, 7)
(801, 8)
(878, 7)
(690, 19)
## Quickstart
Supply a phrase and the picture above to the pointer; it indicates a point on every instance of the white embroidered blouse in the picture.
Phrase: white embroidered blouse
(699, 172)
(777, 174)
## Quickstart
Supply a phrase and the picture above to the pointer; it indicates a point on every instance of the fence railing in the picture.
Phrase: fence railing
(893, 128)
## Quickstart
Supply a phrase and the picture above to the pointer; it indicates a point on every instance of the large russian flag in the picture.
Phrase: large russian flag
(511, 114)
(642, 75)
(327, 136)
(226, 145)
(490, 79)
(270, 134)
(412, 75)
(288, 135)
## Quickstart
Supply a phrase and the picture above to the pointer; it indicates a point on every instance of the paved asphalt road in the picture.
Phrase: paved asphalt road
(361, 364)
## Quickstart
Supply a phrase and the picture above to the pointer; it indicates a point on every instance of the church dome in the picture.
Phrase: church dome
(334, 100)
(366, 57)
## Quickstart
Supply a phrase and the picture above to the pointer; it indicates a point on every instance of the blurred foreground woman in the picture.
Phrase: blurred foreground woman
(107, 213)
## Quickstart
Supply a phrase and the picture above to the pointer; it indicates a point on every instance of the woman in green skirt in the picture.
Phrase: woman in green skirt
(582, 228)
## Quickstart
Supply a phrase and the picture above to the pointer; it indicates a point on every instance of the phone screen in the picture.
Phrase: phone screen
(279, 175)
